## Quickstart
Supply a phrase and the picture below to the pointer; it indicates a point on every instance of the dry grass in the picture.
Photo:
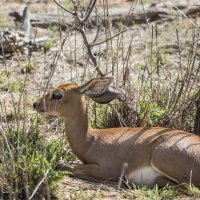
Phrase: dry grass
(158, 71)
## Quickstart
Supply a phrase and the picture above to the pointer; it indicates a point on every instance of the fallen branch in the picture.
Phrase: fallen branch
(153, 12)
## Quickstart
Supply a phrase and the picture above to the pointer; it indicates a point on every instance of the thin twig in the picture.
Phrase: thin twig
(67, 10)
(91, 55)
(185, 16)
(80, 27)
(89, 10)
(109, 38)
(38, 185)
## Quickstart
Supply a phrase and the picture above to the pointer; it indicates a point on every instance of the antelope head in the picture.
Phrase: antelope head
(64, 100)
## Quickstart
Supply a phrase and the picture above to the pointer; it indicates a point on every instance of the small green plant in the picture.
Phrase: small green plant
(27, 66)
(13, 86)
(53, 27)
(27, 161)
(2, 22)
(193, 191)
(151, 112)
(68, 4)
(166, 193)
(98, 114)
(2, 79)
(6, 73)
(48, 44)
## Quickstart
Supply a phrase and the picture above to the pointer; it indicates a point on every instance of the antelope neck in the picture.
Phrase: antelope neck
(77, 131)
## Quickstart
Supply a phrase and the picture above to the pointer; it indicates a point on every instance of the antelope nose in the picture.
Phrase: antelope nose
(34, 105)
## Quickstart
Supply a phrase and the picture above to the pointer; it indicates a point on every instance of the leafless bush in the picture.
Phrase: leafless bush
(155, 97)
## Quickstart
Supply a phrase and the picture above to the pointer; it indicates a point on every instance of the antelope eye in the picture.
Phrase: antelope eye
(56, 96)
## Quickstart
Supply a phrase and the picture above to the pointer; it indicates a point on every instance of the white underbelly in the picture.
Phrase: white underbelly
(144, 176)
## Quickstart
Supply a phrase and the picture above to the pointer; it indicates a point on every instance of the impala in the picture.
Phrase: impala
(153, 155)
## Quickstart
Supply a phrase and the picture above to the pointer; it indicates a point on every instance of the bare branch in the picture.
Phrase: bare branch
(91, 5)
(91, 55)
(185, 16)
(97, 34)
(75, 6)
(80, 27)
(109, 38)
(93, 58)
(67, 10)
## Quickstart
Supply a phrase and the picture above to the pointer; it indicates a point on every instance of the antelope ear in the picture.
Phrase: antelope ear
(96, 87)
(110, 94)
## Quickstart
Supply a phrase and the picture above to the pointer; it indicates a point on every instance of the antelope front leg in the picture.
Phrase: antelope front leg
(91, 172)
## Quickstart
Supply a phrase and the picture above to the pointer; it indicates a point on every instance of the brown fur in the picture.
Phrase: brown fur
(103, 152)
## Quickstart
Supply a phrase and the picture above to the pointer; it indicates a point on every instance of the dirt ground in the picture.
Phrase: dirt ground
(73, 188)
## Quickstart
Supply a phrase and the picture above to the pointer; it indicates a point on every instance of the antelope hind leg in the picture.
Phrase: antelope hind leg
(163, 181)
(178, 166)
